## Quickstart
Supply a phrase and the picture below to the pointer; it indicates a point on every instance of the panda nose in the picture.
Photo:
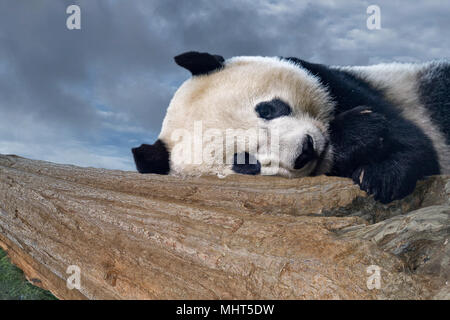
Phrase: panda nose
(308, 153)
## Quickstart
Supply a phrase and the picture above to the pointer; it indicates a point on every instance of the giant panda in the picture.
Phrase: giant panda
(385, 126)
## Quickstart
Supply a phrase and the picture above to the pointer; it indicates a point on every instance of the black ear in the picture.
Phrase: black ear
(199, 62)
(152, 158)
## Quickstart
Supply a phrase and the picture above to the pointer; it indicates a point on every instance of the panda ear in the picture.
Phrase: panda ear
(199, 63)
(152, 158)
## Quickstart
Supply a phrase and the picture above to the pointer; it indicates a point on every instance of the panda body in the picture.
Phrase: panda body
(422, 94)
(385, 126)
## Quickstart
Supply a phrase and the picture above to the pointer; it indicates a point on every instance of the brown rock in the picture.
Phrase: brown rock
(160, 237)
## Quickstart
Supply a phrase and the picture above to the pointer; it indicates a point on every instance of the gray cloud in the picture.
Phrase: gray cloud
(87, 96)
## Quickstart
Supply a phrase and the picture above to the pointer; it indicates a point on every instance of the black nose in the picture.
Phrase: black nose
(246, 164)
(308, 153)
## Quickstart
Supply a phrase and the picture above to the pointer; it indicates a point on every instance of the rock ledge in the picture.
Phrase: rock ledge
(159, 237)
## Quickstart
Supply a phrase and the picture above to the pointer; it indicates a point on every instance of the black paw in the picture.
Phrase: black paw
(359, 136)
(385, 184)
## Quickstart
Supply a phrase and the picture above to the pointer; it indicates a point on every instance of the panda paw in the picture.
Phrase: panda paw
(385, 185)
(358, 137)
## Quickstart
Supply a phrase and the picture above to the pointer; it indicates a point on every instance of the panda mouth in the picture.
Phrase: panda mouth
(306, 169)
(308, 162)
(286, 170)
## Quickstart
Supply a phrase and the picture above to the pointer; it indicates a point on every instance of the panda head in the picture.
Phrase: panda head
(250, 115)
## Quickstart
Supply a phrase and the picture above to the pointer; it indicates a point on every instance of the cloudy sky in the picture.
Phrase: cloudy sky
(87, 96)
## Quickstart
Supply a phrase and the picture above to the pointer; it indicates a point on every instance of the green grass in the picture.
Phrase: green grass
(14, 286)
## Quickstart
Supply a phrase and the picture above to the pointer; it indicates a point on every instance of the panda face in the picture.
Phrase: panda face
(254, 115)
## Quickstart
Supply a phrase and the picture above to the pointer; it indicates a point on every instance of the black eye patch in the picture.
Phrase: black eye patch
(272, 109)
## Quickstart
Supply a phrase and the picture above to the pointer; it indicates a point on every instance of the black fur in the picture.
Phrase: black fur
(435, 94)
(152, 158)
(367, 130)
(347, 90)
(272, 109)
(372, 143)
(308, 153)
(199, 63)
(246, 164)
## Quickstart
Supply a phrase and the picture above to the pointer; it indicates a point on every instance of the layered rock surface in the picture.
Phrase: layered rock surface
(159, 237)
